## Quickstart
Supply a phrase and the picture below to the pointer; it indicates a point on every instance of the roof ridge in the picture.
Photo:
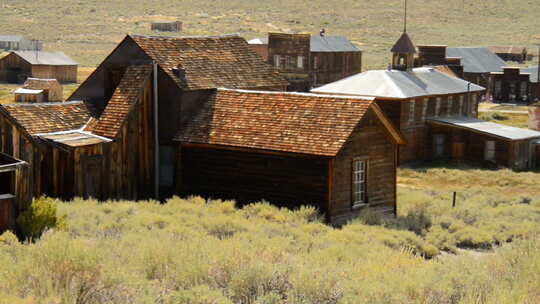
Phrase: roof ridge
(185, 37)
(356, 97)
(35, 104)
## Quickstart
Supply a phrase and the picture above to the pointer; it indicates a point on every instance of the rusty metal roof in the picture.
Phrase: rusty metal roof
(278, 121)
(486, 127)
(394, 84)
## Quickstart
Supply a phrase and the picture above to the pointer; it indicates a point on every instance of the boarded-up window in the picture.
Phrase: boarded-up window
(359, 182)
(489, 150)
(300, 62)
(277, 61)
(411, 110)
(438, 106)
(424, 108)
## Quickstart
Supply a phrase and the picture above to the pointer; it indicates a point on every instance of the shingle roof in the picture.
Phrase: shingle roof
(477, 59)
(279, 121)
(404, 45)
(210, 62)
(393, 84)
(37, 118)
(127, 93)
(46, 58)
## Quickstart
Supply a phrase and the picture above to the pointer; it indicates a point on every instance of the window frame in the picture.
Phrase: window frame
(358, 202)
(277, 61)
(438, 102)
(300, 62)
(412, 109)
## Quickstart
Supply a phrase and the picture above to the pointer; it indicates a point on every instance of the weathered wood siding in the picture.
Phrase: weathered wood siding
(328, 67)
(14, 69)
(247, 177)
(369, 141)
(62, 73)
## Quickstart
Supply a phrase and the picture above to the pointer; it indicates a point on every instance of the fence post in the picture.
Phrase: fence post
(454, 200)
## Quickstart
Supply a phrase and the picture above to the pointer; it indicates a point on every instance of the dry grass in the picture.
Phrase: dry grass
(509, 119)
(88, 30)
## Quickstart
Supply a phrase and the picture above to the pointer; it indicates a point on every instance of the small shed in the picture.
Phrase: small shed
(53, 90)
(174, 26)
(482, 141)
(19, 65)
(29, 95)
(9, 168)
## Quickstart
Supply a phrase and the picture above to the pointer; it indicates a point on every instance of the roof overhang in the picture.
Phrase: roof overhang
(8, 163)
(487, 128)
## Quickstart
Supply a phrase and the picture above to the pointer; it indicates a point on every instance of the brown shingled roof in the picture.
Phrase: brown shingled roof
(404, 45)
(210, 62)
(37, 118)
(286, 122)
(127, 93)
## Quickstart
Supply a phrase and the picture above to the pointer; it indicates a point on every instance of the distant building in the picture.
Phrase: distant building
(513, 85)
(309, 60)
(19, 65)
(511, 53)
(435, 55)
(174, 26)
(39, 90)
(478, 64)
(437, 113)
(19, 43)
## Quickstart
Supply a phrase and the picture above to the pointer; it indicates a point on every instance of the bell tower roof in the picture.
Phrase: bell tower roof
(404, 45)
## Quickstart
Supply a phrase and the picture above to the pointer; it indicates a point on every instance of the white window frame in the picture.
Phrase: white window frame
(411, 110)
(424, 108)
(277, 61)
(300, 62)
(359, 182)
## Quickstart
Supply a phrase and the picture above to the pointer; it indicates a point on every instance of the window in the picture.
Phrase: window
(300, 62)
(359, 182)
(277, 61)
(523, 91)
(438, 106)
(424, 108)
(411, 110)
(461, 98)
(450, 105)
(474, 104)
(489, 150)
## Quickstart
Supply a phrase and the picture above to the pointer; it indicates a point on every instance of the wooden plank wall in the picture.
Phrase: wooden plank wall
(63, 73)
(10, 62)
(247, 177)
(369, 140)
(333, 66)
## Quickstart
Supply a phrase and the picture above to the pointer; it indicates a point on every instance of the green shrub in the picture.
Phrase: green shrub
(39, 217)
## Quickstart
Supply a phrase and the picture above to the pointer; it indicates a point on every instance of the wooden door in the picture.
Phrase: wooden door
(93, 176)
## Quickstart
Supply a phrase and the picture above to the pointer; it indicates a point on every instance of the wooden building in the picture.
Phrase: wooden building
(435, 55)
(39, 90)
(437, 114)
(114, 138)
(19, 43)
(511, 85)
(409, 96)
(172, 26)
(19, 65)
(511, 53)
(338, 154)
(478, 64)
(11, 187)
(309, 60)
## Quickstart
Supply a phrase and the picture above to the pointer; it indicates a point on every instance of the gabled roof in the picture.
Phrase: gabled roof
(394, 84)
(37, 118)
(533, 70)
(45, 58)
(486, 127)
(404, 45)
(477, 59)
(277, 121)
(320, 43)
(210, 62)
(127, 93)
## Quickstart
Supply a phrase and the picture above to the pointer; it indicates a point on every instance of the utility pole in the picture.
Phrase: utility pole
(405, 18)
